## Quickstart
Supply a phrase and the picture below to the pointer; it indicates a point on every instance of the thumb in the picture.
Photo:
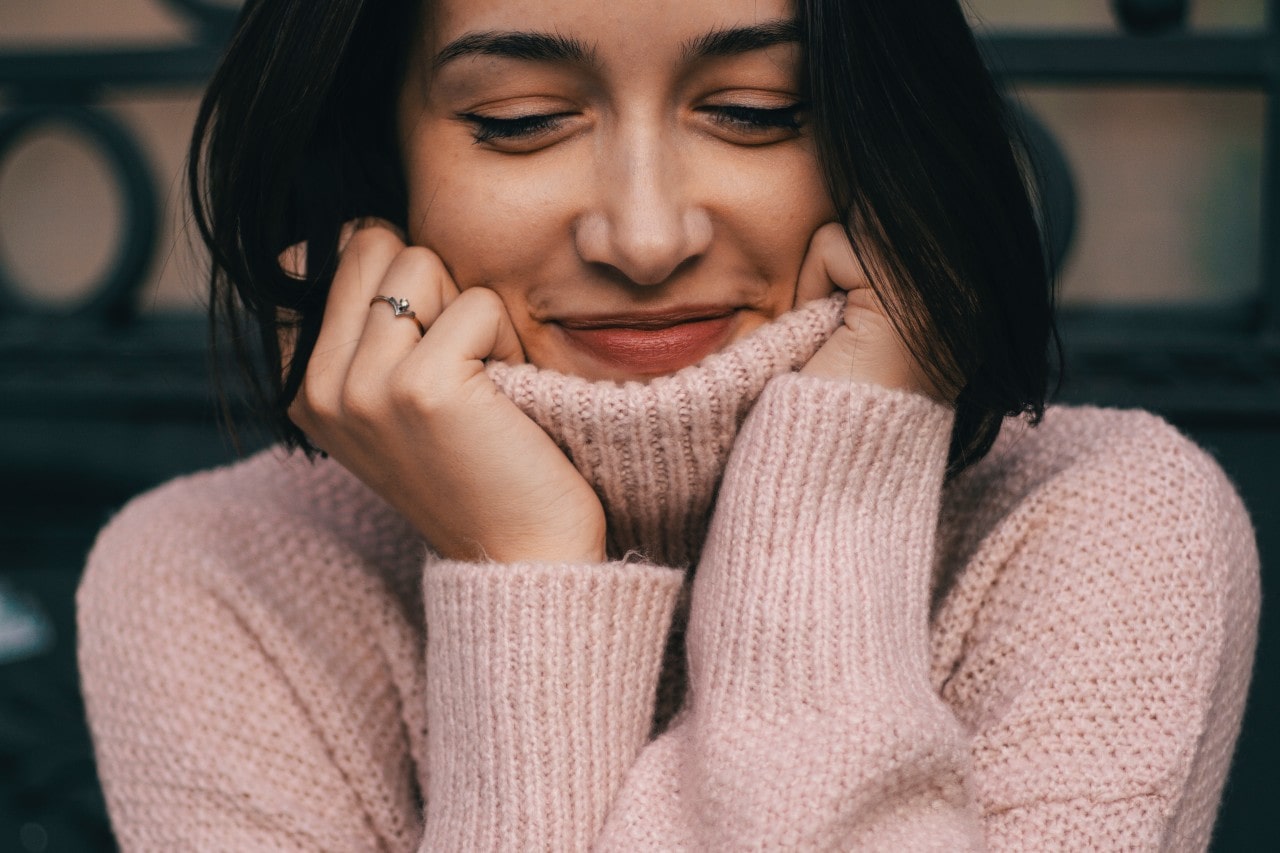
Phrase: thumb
(476, 328)
(830, 263)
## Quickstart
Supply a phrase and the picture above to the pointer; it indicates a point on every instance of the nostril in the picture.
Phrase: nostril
(644, 245)
(650, 265)
(616, 275)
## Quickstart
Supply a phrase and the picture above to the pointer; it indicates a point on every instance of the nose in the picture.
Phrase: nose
(644, 221)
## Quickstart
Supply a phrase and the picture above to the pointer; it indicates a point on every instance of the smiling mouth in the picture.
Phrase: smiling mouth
(651, 345)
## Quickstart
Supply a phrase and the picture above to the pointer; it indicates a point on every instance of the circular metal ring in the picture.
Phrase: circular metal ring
(113, 297)
(401, 308)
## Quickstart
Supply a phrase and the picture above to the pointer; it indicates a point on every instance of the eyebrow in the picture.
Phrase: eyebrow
(530, 46)
(553, 47)
(738, 40)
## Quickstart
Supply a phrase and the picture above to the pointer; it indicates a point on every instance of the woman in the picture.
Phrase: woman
(659, 370)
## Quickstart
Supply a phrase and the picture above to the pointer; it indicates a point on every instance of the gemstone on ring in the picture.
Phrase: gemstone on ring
(400, 306)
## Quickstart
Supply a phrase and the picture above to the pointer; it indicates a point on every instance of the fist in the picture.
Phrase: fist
(867, 347)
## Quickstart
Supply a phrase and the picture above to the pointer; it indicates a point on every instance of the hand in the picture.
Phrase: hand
(866, 348)
(418, 420)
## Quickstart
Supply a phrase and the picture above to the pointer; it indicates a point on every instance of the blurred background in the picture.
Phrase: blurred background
(1156, 125)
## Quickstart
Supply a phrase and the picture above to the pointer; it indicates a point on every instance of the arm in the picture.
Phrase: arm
(1099, 675)
(540, 692)
(813, 720)
(812, 723)
(1100, 641)
(240, 680)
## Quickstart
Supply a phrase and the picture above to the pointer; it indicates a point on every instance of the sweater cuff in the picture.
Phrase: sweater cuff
(540, 694)
(814, 585)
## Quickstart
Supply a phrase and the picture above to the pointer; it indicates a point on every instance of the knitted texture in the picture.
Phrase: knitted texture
(1050, 652)
(656, 474)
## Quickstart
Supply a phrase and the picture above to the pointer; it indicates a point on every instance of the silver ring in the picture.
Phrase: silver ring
(401, 307)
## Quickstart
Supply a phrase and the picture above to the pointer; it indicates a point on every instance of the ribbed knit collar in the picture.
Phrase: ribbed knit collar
(654, 452)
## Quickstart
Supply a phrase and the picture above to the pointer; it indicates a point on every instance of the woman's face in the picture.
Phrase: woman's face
(634, 178)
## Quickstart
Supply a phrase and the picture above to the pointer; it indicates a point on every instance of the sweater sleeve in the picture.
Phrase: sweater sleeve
(540, 694)
(812, 723)
(1101, 689)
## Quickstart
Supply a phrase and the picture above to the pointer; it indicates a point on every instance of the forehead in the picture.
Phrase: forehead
(609, 26)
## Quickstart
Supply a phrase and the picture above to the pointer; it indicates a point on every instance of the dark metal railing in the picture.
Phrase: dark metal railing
(64, 87)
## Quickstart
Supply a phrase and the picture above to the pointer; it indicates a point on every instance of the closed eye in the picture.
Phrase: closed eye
(488, 128)
(756, 124)
(757, 119)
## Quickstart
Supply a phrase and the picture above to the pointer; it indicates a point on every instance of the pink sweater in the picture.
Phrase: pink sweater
(1050, 652)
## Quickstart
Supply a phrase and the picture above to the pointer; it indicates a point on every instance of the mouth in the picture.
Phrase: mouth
(651, 344)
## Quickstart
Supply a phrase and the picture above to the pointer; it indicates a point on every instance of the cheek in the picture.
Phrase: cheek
(777, 205)
(508, 223)
(482, 222)
(792, 198)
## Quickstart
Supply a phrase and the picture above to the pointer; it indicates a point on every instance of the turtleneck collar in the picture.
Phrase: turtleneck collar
(654, 452)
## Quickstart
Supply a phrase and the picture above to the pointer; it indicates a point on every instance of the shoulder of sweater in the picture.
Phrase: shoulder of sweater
(266, 521)
(227, 603)
(1100, 571)
(1129, 468)
(1087, 439)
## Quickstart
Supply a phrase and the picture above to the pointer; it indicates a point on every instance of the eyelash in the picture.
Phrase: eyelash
(758, 118)
(749, 119)
(487, 128)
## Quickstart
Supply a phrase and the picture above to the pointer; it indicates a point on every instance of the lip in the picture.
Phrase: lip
(651, 344)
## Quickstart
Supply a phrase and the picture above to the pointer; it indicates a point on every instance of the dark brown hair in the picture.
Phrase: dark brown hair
(296, 135)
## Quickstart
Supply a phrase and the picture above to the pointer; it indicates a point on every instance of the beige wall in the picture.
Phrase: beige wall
(58, 22)
(1168, 179)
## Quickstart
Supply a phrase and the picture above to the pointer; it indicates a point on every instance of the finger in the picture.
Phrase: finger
(474, 328)
(293, 261)
(360, 270)
(830, 262)
(418, 276)
(350, 228)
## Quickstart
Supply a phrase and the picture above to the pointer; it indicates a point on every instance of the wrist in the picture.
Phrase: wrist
(574, 542)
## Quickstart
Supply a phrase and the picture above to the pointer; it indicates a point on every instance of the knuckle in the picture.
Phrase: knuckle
(420, 392)
(427, 272)
(478, 302)
(400, 391)
(366, 240)
(420, 400)
(422, 261)
(378, 222)
(310, 407)
(829, 237)
(360, 405)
